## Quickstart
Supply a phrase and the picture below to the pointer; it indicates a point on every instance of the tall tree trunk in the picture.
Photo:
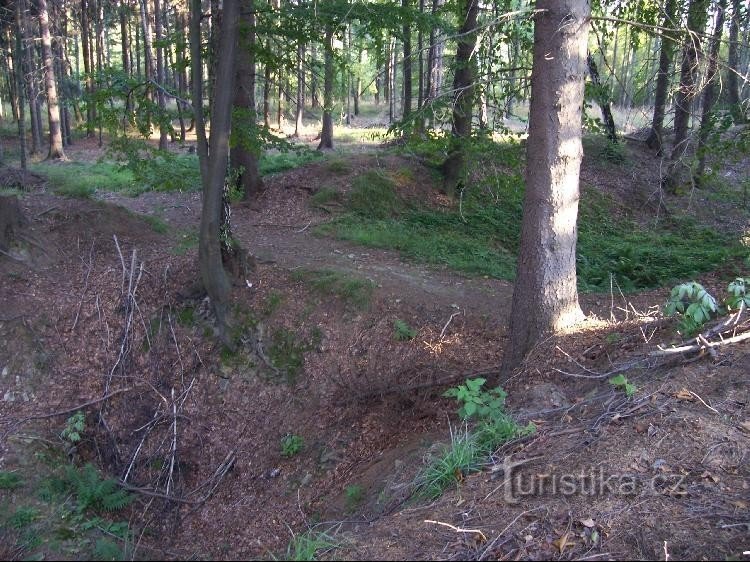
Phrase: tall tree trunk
(602, 99)
(160, 75)
(683, 104)
(358, 81)
(733, 63)
(545, 297)
(300, 103)
(88, 67)
(148, 50)
(124, 38)
(267, 92)
(406, 105)
(655, 138)
(244, 154)
(420, 49)
(196, 71)
(463, 95)
(709, 91)
(30, 82)
(18, 68)
(387, 69)
(326, 134)
(214, 276)
(313, 77)
(53, 109)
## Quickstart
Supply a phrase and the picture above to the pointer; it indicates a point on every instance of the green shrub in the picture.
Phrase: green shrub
(10, 480)
(291, 444)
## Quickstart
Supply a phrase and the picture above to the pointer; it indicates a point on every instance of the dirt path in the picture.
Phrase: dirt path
(280, 229)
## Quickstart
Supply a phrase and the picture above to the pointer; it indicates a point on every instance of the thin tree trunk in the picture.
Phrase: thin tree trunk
(313, 77)
(196, 71)
(545, 297)
(602, 99)
(214, 276)
(267, 92)
(697, 15)
(18, 67)
(463, 95)
(124, 39)
(300, 107)
(709, 91)
(420, 48)
(53, 109)
(160, 75)
(733, 64)
(655, 138)
(30, 82)
(406, 105)
(244, 154)
(326, 134)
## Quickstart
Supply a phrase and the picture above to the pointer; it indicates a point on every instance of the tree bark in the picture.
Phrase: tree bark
(214, 276)
(30, 82)
(244, 155)
(160, 75)
(709, 91)
(687, 92)
(326, 134)
(463, 95)
(407, 79)
(733, 63)
(18, 68)
(196, 70)
(88, 67)
(602, 99)
(124, 38)
(545, 297)
(53, 109)
(655, 139)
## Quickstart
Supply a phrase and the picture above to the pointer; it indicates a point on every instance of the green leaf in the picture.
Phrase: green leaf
(470, 409)
(619, 380)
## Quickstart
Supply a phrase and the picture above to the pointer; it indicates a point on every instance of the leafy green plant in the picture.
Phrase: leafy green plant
(94, 492)
(693, 303)
(738, 295)
(74, 427)
(291, 444)
(402, 331)
(484, 404)
(287, 353)
(105, 549)
(622, 382)
(10, 480)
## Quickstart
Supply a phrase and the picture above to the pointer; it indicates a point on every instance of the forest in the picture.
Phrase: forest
(374, 279)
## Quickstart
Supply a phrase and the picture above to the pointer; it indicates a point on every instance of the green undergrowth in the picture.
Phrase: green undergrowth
(83, 179)
(56, 510)
(480, 234)
(486, 427)
(273, 163)
(354, 292)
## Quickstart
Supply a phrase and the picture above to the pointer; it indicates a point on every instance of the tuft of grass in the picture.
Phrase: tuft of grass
(374, 195)
(449, 468)
(10, 480)
(83, 179)
(308, 545)
(23, 517)
(325, 196)
(353, 496)
(188, 241)
(273, 163)
(328, 283)
(157, 224)
(338, 166)
(287, 353)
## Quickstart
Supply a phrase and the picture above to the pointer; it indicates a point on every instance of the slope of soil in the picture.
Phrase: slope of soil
(321, 361)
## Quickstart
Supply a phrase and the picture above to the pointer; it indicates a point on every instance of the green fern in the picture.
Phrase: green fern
(94, 492)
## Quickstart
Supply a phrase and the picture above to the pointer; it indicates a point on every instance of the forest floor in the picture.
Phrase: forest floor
(101, 303)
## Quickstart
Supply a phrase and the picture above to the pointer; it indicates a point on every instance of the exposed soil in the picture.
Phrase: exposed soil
(367, 406)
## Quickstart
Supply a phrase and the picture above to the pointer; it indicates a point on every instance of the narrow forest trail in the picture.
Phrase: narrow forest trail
(280, 229)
